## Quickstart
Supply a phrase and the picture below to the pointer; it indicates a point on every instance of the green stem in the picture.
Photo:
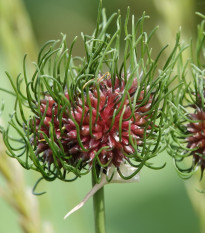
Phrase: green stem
(99, 209)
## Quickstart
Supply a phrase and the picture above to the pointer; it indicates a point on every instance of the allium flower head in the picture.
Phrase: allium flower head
(188, 108)
(189, 134)
(197, 139)
(79, 114)
(189, 140)
(106, 131)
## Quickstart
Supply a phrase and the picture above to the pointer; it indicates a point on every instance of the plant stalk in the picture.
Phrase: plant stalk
(99, 209)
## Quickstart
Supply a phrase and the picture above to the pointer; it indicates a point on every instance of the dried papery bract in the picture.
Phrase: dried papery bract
(126, 170)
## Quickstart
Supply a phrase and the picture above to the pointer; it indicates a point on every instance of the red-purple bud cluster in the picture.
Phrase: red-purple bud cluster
(96, 130)
(197, 138)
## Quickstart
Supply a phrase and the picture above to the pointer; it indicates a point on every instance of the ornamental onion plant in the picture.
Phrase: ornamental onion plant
(104, 113)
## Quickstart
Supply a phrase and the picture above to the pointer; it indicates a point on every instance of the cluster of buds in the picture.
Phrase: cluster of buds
(188, 108)
(92, 115)
(197, 139)
(105, 130)
(189, 133)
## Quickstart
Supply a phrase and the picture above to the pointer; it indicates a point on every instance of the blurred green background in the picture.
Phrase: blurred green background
(159, 203)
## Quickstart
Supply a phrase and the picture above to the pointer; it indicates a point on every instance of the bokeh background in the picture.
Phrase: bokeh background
(161, 202)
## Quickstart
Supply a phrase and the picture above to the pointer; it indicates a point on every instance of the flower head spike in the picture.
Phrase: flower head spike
(188, 119)
(88, 113)
(197, 139)
(106, 133)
